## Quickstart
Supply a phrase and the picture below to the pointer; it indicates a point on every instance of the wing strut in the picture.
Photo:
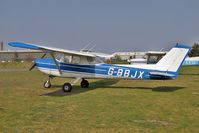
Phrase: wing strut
(57, 65)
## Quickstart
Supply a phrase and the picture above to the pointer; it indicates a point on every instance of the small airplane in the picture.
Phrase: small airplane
(152, 57)
(85, 65)
(191, 61)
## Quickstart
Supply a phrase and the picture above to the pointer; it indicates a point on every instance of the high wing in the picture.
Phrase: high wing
(49, 49)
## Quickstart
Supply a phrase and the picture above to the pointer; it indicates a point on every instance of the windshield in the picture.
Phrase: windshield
(75, 59)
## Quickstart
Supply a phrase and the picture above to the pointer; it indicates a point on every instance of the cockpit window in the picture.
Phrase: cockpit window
(65, 58)
(95, 60)
(75, 59)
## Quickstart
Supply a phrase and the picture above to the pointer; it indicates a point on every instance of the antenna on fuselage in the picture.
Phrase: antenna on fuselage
(86, 46)
(92, 47)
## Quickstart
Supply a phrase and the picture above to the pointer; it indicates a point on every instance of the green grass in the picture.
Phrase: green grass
(15, 65)
(107, 106)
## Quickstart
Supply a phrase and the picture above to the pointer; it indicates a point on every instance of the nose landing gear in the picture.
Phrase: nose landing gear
(47, 84)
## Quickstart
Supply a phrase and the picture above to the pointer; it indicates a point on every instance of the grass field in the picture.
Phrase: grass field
(107, 106)
(15, 65)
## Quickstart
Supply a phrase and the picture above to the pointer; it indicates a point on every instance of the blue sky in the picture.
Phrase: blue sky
(113, 25)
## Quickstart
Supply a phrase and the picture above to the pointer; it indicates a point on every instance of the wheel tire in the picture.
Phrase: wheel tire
(47, 84)
(67, 87)
(84, 84)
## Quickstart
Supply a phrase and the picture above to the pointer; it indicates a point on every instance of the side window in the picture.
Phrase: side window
(94, 60)
(67, 59)
(90, 60)
(76, 60)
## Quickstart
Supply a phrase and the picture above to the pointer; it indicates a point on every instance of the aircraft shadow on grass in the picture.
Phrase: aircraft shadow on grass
(190, 74)
(108, 84)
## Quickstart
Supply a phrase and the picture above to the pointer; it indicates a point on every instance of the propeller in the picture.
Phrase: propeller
(34, 64)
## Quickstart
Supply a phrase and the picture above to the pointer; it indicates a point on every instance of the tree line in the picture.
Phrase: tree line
(194, 50)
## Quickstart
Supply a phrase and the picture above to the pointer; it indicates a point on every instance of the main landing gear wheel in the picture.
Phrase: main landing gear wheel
(84, 83)
(47, 84)
(67, 87)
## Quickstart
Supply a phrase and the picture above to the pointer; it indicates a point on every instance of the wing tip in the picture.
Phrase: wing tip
(183, 46)
(23, 45)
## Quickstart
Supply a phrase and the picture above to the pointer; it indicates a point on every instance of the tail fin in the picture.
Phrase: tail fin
(173, 60)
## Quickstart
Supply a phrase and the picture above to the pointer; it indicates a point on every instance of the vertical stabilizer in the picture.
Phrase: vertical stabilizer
(173, 60)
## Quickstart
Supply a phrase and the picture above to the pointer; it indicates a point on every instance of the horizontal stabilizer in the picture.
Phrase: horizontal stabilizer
(161, 75)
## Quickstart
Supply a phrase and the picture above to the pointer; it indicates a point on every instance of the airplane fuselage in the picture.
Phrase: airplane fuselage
(48, 66)
(81, 65)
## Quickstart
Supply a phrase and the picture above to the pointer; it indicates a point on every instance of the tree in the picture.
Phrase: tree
(194, 50)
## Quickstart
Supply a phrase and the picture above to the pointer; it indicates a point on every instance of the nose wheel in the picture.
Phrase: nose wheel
(47, 84)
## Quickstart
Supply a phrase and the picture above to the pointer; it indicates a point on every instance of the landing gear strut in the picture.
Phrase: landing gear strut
(67, 87)
(84, 83)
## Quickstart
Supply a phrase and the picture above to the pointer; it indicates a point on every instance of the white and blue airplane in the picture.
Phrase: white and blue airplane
(85, 65)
